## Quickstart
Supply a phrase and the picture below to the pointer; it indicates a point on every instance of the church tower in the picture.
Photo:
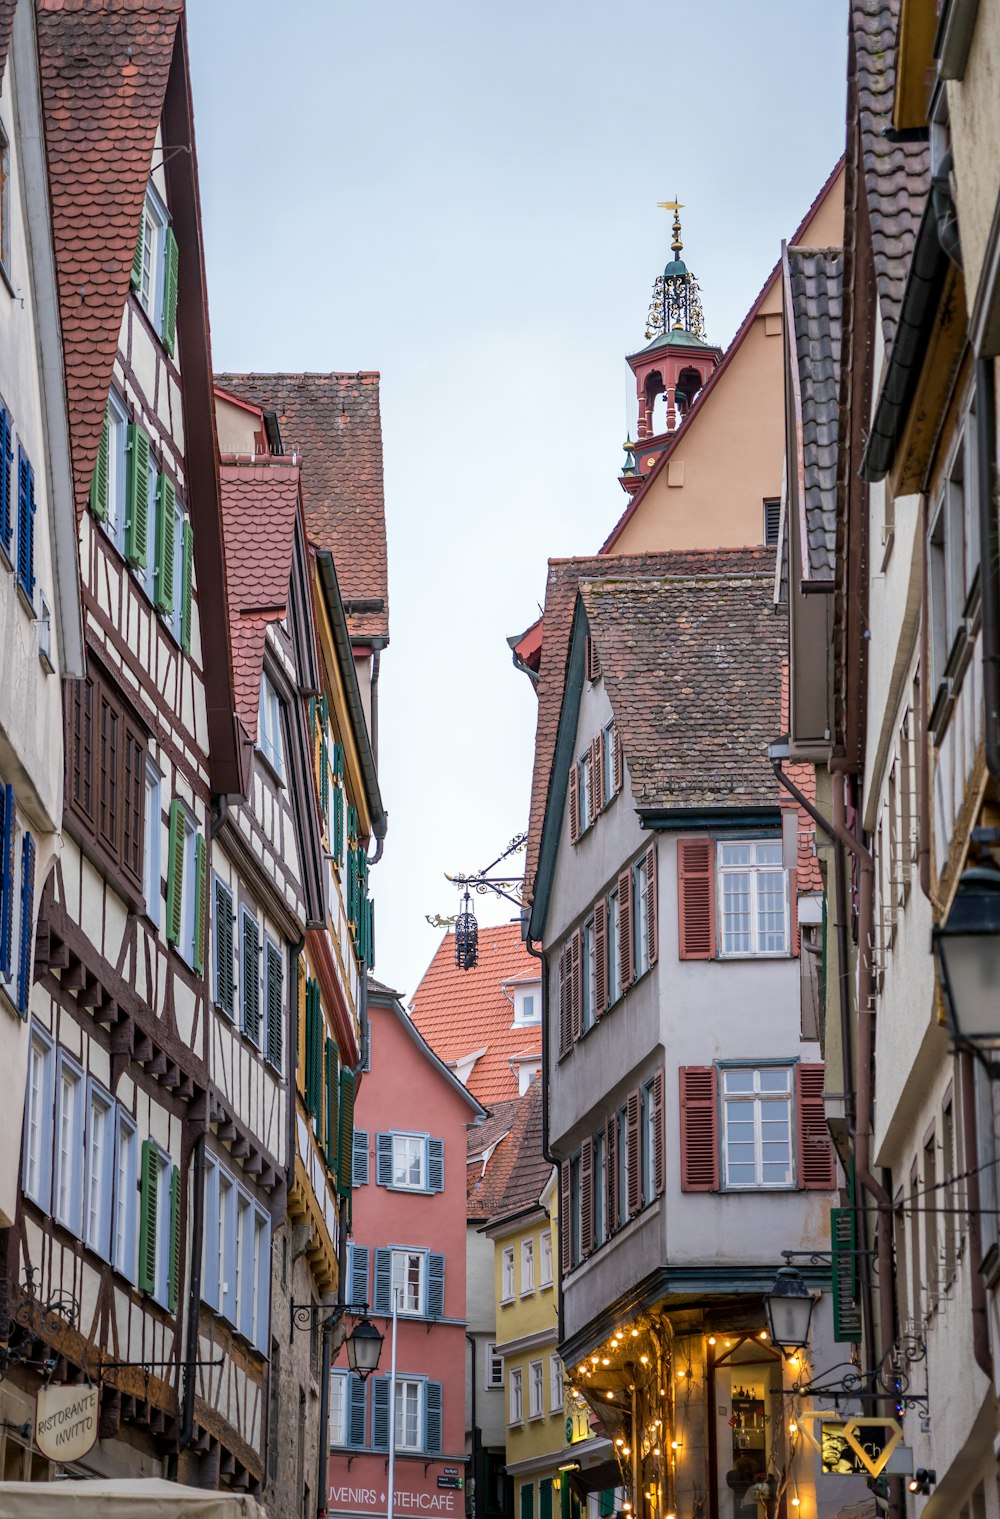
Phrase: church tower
(673, 366)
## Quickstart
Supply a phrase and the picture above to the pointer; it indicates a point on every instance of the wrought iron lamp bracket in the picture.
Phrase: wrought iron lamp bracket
(889, 1379)
(22, 1308)
(307, 1315)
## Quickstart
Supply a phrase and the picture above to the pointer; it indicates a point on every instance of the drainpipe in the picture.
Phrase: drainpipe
(194, 1291)
(923, 758)
(373, 699)
(543, 959)
(980, 1319)
(989, 539)
(474, 1434)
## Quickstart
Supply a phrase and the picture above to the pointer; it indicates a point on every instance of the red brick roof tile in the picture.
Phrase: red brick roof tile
(458, 1012)
(333, 422)
(516, 1174)
(103, 67)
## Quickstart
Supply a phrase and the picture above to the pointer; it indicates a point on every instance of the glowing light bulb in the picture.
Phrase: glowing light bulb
(594, 1359)
(626, 1451)
(583, 1369)
(657, 1423)
(656, 1450)
(644, 1359)
(675, 1445)
(793, 1428)
(795, 1503)
(610, 1396)
(635, 1334)
(711, 1339)
(619, 1442)
(605, 1361)
(763, 1334)
(729, 1344)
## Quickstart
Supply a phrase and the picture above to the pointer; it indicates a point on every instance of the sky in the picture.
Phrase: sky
(463, 196)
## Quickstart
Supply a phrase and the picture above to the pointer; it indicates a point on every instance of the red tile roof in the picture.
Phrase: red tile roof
(458, 1012)
(7, 9)
(103, 67)
(516, 1173)
(259, 503)
(333, 422)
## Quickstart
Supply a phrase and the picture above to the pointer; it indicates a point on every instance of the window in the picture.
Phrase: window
(609, 740)
(588, 1010)
(408, 1154)
(614, 949)
(527, 1005)
(515, 1397)
(648, 1122)
(527, 1266)
(150, 256)
(107, 774)
(409, 1162)
(126, 1195)
(274, 1005)
(640, 897)
(100, 1171)
(269, 725)
(186, 866)
(164, 1228)
(953, 550)
(583, 767)
(753, 898)
(536, 1390)
(250, 974)
(38, 1119)
(69, 1143)
(6, 470)
(111, 474)
(772, 522)
(623, 1165)
(44, 626)
(507, 1274)
(409, 1415)
(408, 1283)
(494, 1367)
(555, 1384)
(757, 1127)
(24, 560)
(576, 1216)
(236, 1265)
(545, 1279)
(338, 1409)
(4, 201)
(151, 825)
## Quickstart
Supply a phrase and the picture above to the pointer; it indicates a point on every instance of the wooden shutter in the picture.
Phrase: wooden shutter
(333, 1109)
(846, 1313)
(8, 817)
(576, 985)
(163, 546)
(312, 1013)
(338, 826)
(345, 1144)
(358, 1392)
(324, 780)
(27, 923)
(136, 495)
(225, 976)
(652, 907)
(187, 583)
(80, 757)
(594, 797)
(147, 1216)
(357, 1265)
(133, 806)
(587, 1196)
(98, 501)
(658, 1128)
(435, 1165)
(574, 801)
(275, 999)
(25, 524)
(360, 1158)
(435, 1286)
(696, 898)
(383, 1160)
(380, 1413)
(135, 278)
(633, 1113)
(816, 1162)
(383, 1281)
(527, 1496)
(170, 272)
(432, 1417)
(565, 1001)
(174, 1264)
(625, 956)
(545, 1498)
(601, 958)
(200, 879)
(301, 1018)
(699, 1128)
(175, 871)
(597, 775)
(565, 1219)
(793, 896)
(250, 968)
(611, 1173)
(6, 457)
(618, 759)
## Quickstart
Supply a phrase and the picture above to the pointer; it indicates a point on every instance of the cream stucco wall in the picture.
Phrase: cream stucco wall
(974, 112)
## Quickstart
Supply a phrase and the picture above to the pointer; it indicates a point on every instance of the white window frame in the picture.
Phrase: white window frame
(507, 1283)
(754, 870)
(156, 220)
(608, 742)
(152, 884)
(640, 917)
(586, 781)
(527, 1006)
(118, 419)
(494, 1368)
(38, 1117)
(546, 1263)
(244, 973)
(515, 1399)
(536, 1390)
(400, 1267)
(69, 1130)
(124, 1239)
(9, 983)
(189, 888)
(174, 618)
(527, 1267)
(416, 1147)
(43, 622)
(615, 987)
(757, 1096)
(269, 735)
(588, 976)
(408, 1388)
(556, 1391)
(99, 1174)
(339, 1408)
(146, 574)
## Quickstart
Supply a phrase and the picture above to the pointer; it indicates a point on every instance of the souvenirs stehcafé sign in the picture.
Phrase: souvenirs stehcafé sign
(66, 1421)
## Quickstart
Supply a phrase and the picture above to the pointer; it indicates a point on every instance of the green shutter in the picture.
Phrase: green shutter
(370, 934)
(324, 778)
(274, 976)
(137, 495)
(170, 292)
(175, 872)
(312, 720)
(527, 1500)
(174, 1267)
(332, 1105)
(312, 1018)
(545, 1498)
(606, 1503)
(200, 852)
(338, 825)
(99, 480)
(352, 824)
(163, 583)
(324, 710)
(136, 279)
(147, 1216)
(318, 1035)
(187, 584)
(846, 1313)
(338, 762)
(345, 1140)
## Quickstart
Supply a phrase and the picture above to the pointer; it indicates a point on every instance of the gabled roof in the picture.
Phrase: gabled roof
(460, 1011)
(517, 1171)
(813, 298)
(103, 68)
(333, 422)
(380, 997)
(7, 9)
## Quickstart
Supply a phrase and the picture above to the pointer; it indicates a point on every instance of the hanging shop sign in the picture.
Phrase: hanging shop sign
(861, 1445)
(66, 1421)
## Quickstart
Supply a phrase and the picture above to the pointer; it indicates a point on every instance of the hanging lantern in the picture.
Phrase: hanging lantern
(466, 937)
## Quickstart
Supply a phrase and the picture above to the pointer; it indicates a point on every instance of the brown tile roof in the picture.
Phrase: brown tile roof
(459, 1012)
(7, 9)
(692, 666)
(103, 67)
(333, 422)
(259, 503)
(895, 174)
(560, 599)
(517, 1171)
(814, 288)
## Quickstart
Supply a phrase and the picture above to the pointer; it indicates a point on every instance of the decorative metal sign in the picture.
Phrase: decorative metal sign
(854, 1444)
(66, 1421)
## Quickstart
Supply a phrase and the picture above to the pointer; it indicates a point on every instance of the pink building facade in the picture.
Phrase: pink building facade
(412, 1117)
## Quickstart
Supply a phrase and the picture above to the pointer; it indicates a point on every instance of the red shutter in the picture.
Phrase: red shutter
(601, 957)
(659, 1155)
(587, 1196)
(565, 1002)
(611, 1172)
(619, 765)
(576, 985)
(565, 1220)
(816, 1162)
(696, 898)
(699, 1128)
(593, 662)
(652, 928)
(574, 802)
(597, 774)
(625, 926)
(593, 803)
(633, 1117)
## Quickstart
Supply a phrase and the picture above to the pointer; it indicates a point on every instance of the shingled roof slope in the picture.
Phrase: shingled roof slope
(259, 503)
(815, 285)
(692, 667)
(333, 422)
(7, 9)
(896, 174)
(560, 600)
(459, 1012)
(517, 1172)
(103, 68)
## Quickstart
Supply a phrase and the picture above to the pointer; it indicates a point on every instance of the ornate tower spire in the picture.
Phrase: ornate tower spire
(676, 302)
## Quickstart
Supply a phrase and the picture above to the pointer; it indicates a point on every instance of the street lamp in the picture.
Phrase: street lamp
(364, 1346)
(967, 948)
(364, 1343)
(789, 1306)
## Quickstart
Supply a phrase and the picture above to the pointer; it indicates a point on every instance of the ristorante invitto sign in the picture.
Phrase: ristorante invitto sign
(66, 1422)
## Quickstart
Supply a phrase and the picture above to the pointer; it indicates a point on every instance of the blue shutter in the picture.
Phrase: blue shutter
(380, 1414)
(8, 815)
(27, 916)
(6, 458)
(357, 1270)
(432, 1418)
(383, 1160)
(435, 1165)
(360, 1158)
(25, 524)
(435, 1286)
(356, 1411)
(383, 1281)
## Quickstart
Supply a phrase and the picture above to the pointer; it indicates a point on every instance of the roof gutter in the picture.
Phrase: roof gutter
(345, 652)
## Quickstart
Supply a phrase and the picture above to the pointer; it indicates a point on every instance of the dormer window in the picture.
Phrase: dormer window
(154, 268)
(269, 726)
(527, 1004)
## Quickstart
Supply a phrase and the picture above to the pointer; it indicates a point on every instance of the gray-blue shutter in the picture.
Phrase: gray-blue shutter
(357, 1269)
(383, 1159)
(383, 1281)
(432, 1418)
(435, 1286)
(380, 1414)
(356, 1411)
(435, 1165)
(360, 1158)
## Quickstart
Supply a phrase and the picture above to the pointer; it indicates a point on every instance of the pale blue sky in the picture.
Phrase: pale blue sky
(463, 196)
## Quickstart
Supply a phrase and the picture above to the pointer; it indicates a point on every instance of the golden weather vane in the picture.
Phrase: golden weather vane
(676, 207)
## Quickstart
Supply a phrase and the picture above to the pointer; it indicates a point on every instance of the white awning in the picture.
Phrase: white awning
(122, 1498)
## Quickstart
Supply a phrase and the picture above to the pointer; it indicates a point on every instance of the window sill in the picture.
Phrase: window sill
(506, 1302)
(528, 1292)
(546, 1286)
